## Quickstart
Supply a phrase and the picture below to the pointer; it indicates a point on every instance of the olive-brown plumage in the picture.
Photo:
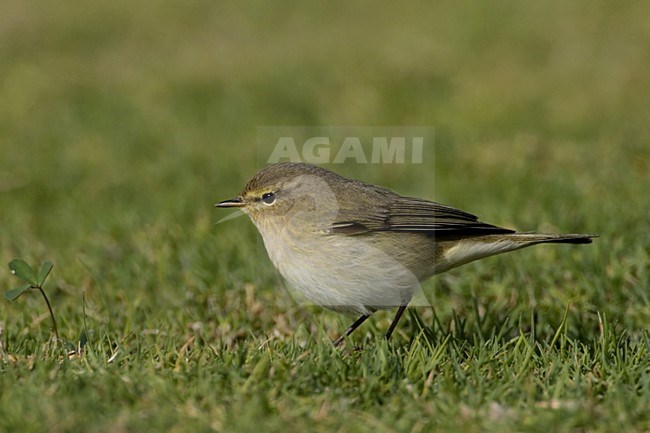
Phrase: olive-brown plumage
(356, 247)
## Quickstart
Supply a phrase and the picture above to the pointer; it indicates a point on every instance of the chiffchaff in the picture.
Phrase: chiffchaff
(355, 247)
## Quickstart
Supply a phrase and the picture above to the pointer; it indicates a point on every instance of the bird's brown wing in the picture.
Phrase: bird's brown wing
(412, 215)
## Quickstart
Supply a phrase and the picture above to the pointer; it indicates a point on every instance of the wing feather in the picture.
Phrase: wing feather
(411, 215)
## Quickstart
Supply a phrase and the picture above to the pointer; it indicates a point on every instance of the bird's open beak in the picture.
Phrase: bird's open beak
(233, 202)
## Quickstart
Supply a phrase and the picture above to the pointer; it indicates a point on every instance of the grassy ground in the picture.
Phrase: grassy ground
(121, 123)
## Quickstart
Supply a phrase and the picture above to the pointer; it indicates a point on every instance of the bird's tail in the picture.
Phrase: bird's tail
(477, 247)
(539, 238)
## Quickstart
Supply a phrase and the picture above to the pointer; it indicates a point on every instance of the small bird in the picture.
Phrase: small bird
(356, 248)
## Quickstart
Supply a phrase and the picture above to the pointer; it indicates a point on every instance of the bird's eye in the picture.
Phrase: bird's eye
(268, 197)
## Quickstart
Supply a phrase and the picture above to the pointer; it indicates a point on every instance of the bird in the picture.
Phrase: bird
(356, 248)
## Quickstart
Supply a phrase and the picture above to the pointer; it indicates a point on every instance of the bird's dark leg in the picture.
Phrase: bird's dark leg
(351, 329)
(398, 316)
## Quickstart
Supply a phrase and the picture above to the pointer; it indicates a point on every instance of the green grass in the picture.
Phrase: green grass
(121, 124)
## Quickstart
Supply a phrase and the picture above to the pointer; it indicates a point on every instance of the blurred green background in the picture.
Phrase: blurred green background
(122, 123)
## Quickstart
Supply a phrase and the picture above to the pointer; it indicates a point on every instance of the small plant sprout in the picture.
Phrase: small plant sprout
(34, 280)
